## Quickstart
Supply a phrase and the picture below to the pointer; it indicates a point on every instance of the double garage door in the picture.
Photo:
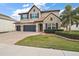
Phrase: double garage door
(31, 28)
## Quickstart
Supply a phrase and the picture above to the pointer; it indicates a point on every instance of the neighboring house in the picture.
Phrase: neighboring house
(6, 23)
(37, 21)
(75, 27)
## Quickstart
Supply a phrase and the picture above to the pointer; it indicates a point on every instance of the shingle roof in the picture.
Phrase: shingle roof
(43, 18)
(5, 17)
(38, 20)
(49, 11)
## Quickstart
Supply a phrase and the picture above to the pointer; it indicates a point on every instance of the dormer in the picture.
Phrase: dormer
(34, 12)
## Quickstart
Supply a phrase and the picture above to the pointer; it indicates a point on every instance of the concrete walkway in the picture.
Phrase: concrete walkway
(14, 50)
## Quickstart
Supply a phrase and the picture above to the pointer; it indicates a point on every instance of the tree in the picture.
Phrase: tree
(69, 17)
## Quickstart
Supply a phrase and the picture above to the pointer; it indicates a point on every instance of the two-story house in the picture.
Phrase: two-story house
(36, 20)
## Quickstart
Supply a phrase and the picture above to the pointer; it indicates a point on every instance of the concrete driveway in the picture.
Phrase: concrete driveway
(13, 37)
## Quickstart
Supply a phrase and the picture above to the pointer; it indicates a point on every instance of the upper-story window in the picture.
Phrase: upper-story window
(34, 15)
(24, 16)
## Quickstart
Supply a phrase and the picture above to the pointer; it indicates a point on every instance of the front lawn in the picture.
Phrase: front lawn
(49, 41)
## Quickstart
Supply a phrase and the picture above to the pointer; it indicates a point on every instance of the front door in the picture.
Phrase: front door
(18, 28)
(40, 27)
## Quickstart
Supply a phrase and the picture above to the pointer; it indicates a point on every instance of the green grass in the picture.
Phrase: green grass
(49, 41)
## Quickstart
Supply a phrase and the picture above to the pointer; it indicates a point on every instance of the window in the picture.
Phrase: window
(34, 15)
(53, 26)
(24, 16)
(49, 26)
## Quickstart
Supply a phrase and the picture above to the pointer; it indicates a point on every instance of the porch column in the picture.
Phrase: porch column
(37, 28)
(44, 27)
(21, 28)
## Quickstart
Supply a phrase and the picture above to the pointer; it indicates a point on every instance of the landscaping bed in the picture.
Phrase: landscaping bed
(49, 41)
(71, 34)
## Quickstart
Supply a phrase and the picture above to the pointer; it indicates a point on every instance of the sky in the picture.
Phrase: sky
(12, 9)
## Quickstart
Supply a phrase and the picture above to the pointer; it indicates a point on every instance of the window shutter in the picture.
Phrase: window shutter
(27, 16)
(30, 15)
(21, 17)
(56, 25)
(37, 15)
(46, 25)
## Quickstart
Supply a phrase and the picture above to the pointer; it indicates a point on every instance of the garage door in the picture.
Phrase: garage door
(18, 28)
(31, 28)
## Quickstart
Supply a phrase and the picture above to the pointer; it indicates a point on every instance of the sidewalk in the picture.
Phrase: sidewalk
(14, 50)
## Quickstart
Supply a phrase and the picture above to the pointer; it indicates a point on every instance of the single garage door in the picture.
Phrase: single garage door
(31, 28)
(18, 28)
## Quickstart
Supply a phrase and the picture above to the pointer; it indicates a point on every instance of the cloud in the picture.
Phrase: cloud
(42, 6)
(16, 12)
(53, 4)
(61, 11)
(39, 4)
(26, 5)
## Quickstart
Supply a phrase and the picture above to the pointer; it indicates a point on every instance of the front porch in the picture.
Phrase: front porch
(44, 26)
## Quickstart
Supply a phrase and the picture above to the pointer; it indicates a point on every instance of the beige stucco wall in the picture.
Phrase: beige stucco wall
(54, 21)
(6, 25)
(45, 14)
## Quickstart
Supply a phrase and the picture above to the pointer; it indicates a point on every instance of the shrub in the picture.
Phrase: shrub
(49, 31)
(59, 30)
(71, 35)
(52, 30)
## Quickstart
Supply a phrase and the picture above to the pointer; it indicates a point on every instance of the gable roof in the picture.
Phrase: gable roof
(32, 7)
(39, 10)
(30, 10)
(43, 18)
(49, 11)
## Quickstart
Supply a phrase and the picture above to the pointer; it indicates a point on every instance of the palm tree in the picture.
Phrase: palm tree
(69, 16)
